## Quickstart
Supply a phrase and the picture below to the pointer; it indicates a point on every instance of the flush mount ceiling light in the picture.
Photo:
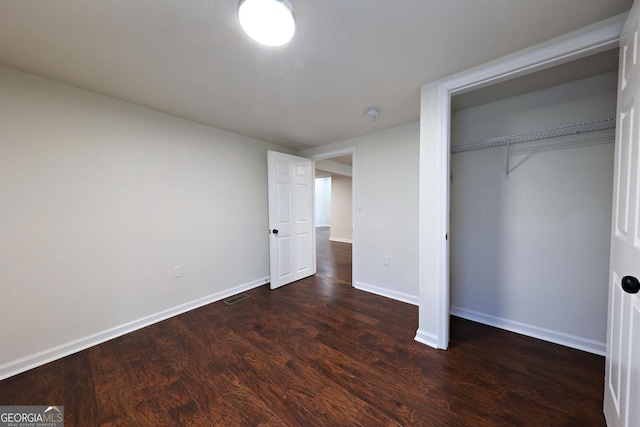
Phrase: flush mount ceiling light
(268, 22)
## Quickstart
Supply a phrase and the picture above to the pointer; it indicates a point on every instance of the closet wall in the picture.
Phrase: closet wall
(531, 253)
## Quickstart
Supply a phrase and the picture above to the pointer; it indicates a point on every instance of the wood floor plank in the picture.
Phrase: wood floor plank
(223, 399)
(79, 391)
(316, 353)
(331, 403)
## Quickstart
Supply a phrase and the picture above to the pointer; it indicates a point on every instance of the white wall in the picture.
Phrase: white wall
(323, 201)
(386, 180)
(341, 207)
(532, 252)
(99, 200)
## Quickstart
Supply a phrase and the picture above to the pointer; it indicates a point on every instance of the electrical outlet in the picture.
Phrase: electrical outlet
(387, 260)
(177, 271)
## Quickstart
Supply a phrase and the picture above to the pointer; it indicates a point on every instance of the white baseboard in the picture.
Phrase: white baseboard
(32, 361)
(398, 296)
(338, 239)
(426, 338)
(568, 340)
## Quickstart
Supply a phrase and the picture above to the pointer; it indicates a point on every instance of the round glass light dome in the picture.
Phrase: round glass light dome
(268, 22)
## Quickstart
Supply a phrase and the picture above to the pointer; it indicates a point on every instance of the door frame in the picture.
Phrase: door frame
(435, 122)
(354, 245)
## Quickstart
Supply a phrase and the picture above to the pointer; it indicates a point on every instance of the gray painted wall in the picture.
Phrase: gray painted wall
(100, 199)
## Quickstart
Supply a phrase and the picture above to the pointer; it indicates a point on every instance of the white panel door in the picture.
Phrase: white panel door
(622, 370)
(292, 242)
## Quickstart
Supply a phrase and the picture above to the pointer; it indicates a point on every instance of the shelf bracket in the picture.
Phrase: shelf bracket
(506, 172)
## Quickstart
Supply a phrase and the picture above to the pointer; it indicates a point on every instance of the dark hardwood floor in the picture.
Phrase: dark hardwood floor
(316, 353)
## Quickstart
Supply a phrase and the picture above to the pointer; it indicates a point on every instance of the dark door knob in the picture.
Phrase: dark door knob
(275, 231)
(630, 284)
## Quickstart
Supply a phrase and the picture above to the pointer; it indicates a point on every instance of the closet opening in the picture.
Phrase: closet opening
(334, 217)
(531, 172)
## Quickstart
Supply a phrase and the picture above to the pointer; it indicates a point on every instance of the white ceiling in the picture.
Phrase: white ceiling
(190, 59)
(346, 160)
(590, 66)
(323, 172)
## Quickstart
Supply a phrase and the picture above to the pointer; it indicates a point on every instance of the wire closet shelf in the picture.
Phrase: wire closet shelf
(556, 132)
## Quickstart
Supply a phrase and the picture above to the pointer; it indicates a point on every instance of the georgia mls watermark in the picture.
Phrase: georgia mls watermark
(31, 416)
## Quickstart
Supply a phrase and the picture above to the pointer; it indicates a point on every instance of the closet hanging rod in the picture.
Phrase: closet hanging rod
(572, 129)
